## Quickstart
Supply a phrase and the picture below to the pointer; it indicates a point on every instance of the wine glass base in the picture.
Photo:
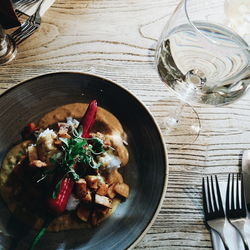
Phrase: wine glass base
(11, 51)
(180, 126)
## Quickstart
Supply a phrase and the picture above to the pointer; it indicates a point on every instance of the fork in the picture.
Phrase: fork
(213, 208)
(236, 206)
(22, 5)
(28, 27)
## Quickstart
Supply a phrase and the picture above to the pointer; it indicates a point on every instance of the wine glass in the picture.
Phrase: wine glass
(203, 55)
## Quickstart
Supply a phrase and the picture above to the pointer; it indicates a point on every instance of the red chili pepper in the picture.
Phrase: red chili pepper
(59, 204)
(88, 119)
(29, 130)
(32, 126)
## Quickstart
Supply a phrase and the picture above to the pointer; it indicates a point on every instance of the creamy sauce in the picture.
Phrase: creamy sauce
(106, 123)
(10, 161)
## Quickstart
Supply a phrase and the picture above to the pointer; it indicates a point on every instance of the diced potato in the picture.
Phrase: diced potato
(64, 135)
(103, 189)
(92, 181)
(58, 142)
(81, 188)
(111, 193)
(98, 213)
(63, 125)
(45, 145)
(32, 153)
(94, 219)
(102, 210)
(87, 197)
(83, 212)
(63, 130)
(122, 189)
(103, 200)
(114, 177)
(38, 164)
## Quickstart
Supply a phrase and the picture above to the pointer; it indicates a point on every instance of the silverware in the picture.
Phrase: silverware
(246, 176)
(28, 27)
(23, 5)
(7, 47)
(213, 208)
(236, 206)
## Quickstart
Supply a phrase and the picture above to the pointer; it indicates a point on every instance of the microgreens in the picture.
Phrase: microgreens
(77, 150)
(57, 189)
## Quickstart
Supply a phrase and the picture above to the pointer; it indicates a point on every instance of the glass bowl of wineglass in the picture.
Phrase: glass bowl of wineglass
(203, 54)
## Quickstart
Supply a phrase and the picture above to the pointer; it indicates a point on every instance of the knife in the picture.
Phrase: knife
(246, 176)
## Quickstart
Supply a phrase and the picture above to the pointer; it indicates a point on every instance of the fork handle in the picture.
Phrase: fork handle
(246, 245)
(242, 234)
(222, 236)
(225, 245)
(243, 237)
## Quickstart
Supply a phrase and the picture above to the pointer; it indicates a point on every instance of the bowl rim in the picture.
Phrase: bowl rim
(162, 142)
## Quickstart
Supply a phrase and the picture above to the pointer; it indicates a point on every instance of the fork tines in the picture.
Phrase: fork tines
(212, 202)
(24, 4)
(213, 208)
(235, 202)
(29, 26)
(236, 210)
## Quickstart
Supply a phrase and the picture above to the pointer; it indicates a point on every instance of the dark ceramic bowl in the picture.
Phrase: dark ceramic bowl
(146, 172)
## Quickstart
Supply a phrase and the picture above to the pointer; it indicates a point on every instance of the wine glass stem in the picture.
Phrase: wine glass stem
(171, 121)
(183, 116)
(179, 111)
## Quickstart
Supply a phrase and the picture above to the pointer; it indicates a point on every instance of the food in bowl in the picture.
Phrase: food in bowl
(67, 168)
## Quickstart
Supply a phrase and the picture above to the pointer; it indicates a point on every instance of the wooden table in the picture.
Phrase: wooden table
(116, 39)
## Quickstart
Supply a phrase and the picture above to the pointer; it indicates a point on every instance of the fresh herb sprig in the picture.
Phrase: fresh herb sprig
(78, 150)
(81, 150)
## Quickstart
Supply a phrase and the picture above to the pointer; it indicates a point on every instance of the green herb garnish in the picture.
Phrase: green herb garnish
(77, 150)
(57, 189)
(97, 146)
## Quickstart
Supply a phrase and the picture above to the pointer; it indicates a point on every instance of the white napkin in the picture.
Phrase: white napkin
(31, 9)
(232, 236)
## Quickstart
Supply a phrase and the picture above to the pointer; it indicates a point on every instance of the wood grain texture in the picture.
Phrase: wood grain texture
(116, 39)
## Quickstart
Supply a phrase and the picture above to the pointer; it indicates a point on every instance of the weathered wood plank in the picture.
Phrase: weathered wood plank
(116, 39)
